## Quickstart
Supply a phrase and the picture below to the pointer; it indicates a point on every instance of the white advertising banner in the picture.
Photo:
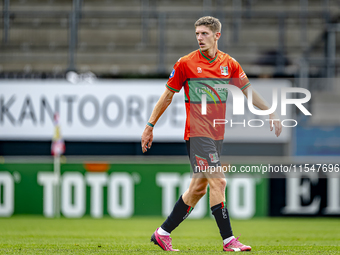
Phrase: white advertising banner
(114, 110)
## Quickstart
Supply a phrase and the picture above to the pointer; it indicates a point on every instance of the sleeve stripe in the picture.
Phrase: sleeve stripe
(172, 89)
(245, 86)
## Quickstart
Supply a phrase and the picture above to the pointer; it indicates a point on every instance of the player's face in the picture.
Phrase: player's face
(206, 38)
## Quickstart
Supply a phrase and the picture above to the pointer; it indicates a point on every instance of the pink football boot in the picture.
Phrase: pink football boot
(235, 245)
(162, 241)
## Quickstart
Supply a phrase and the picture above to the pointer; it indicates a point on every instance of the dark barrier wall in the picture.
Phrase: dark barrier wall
(28, 148)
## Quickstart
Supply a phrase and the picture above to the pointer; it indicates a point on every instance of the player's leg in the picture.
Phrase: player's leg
(185, 204)
(181, 210)
(217, 184)
(205, 158)
(197, 189)
(218, 206)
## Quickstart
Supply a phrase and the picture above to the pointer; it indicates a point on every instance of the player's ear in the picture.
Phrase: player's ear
(217, 35)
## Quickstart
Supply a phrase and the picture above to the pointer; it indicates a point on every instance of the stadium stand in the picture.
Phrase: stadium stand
(145, 37)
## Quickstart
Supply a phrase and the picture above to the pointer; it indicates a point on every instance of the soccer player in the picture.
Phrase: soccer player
(199, 73)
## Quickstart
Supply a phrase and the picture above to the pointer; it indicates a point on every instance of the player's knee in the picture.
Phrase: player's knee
(218, 184)
(199, 191)
(223, 183)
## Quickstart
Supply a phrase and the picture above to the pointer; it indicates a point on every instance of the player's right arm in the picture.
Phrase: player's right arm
(262, 104)
(163, 103)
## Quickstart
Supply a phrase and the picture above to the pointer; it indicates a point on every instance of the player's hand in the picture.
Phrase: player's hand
(275, 122)
(147, 138)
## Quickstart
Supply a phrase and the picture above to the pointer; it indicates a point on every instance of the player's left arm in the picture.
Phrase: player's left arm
(262, 104)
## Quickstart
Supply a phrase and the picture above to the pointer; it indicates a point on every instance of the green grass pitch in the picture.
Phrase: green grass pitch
(38, 235)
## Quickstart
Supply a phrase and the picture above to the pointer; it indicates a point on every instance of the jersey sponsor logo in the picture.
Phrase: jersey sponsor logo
(202, 163)
(199, 70)
(172, 73)
(224, 70)
(214, 157)
(209, 93)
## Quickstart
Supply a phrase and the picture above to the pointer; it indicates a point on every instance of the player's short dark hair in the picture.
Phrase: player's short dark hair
(213, 23)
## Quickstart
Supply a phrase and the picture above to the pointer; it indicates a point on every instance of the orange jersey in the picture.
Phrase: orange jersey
(199, 74)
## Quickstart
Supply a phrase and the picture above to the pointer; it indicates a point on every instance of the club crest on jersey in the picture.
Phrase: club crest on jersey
(172, 73)
(214, 157)
(199, 70)
(224, 70)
